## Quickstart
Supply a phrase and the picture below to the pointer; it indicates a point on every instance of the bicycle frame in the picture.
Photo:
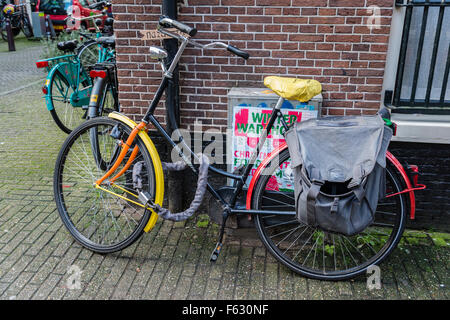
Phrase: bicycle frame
(104, 53)
(150, 118)
(70, 68)
(229, 207)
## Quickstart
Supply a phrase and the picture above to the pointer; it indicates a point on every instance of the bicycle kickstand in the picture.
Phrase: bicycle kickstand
(218, 248)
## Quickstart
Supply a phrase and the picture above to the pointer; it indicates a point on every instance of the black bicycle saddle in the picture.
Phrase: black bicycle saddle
(70, 45)
(107, 41)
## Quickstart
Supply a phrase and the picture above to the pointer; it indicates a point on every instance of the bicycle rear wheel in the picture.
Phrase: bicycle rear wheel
(66, 116)
(312, 252)
(108, 219)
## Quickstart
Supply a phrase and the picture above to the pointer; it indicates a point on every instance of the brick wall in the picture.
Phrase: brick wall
(433, 203)
(327, 40)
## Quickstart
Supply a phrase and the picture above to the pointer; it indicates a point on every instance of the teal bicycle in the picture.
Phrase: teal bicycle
(68, 84)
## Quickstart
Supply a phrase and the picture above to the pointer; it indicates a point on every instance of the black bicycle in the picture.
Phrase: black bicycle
(19, 22)
(109, 189)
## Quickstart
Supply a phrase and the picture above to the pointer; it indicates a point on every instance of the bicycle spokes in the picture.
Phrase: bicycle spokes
(108, 215)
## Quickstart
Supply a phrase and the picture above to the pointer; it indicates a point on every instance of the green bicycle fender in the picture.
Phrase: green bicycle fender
(64, 68)
(48, 100)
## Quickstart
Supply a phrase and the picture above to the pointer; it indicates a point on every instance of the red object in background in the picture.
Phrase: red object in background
(58, 12)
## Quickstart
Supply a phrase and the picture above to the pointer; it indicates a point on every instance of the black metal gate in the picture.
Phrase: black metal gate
(422, 84)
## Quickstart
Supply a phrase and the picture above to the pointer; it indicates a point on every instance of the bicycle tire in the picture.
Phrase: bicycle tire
(277, 243)
(4, 33)
(66, 116)
(74, 191)
(26, 28)
(103, 110)
(88, 54)
(109, 101)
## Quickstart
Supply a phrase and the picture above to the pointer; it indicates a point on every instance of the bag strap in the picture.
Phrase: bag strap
(311, 196)
(358, 176)
(359, 191)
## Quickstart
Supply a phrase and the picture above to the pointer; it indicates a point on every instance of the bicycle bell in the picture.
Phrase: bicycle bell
(157, 53)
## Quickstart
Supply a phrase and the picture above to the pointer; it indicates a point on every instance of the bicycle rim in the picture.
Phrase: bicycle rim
(66, 116)
(89, 54)
(103, 220)
(109, 101)
(26, 28)
(323, 255)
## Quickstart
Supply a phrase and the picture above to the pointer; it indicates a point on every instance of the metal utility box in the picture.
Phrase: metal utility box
(249, 110)
(38, 24)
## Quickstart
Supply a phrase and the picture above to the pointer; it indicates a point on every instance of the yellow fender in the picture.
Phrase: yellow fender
(159, 175)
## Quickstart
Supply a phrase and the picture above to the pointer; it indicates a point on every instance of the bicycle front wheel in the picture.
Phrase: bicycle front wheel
(105, 219)
(89, 54)
(313, 252)
(4, 33)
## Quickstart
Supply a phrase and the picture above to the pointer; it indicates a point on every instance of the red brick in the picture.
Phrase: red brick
(326, 40)
(347, 3)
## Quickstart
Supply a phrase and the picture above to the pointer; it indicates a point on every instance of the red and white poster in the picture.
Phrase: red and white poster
(248, 125)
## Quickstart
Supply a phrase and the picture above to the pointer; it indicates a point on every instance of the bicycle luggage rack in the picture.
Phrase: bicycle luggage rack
(49, 63)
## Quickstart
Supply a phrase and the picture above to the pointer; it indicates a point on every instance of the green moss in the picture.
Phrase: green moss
(439, 241)
(202, 221)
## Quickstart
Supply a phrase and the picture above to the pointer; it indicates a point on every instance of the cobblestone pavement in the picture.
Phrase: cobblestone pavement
(172, 261)
(18, 68)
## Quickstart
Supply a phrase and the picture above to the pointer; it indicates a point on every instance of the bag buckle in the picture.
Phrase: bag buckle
(317, 182)
(335, 205)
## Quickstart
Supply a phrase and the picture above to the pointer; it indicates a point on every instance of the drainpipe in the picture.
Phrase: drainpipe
(169, 9)
(175, 181)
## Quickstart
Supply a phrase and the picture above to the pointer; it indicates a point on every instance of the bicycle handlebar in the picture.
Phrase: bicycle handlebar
(166, 22)
(99, 4)
(101, 15)
(238, 52)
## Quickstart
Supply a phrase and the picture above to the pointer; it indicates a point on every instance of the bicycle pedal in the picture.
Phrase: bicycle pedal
(216, 252)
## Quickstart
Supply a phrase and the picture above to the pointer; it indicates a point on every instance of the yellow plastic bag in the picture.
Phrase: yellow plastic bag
(293, 88)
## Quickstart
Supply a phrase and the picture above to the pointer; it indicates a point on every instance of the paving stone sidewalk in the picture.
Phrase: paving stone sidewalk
(18, 68)
(172, 261)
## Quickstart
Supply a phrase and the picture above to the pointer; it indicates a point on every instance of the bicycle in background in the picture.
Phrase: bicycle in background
(68, 84)
(19, 22)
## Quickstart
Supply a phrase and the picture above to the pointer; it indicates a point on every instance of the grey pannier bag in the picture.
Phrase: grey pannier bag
(339, 168)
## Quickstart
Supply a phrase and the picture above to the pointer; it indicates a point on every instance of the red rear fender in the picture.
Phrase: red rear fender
(401, 170)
